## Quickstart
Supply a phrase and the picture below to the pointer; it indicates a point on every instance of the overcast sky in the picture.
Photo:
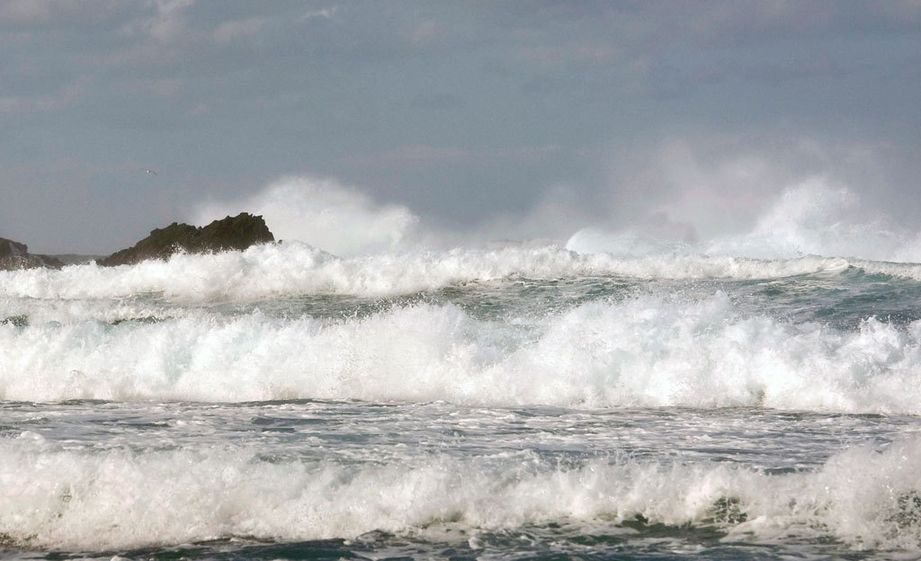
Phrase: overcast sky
(470, 115)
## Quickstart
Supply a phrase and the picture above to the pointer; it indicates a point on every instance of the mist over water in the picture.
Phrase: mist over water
(766, 198)
(324, 213)
(369, 387)
(812, 218)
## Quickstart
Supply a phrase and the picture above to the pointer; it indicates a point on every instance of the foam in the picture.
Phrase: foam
(647, 351)
(812, 217)
(292, 269)
(53, 497)
(322, 212)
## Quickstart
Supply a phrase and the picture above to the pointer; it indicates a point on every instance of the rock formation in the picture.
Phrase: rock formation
(15, 255)
(231, 233)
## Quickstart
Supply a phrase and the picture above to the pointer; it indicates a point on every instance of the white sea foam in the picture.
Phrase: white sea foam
(812, 217)
(821, 219)
(53, 497)
(649, 351)
(293, 268)
(322, 212)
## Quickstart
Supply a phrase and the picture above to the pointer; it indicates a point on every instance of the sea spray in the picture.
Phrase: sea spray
(295, 269)
(647, 350)
(324, 213)
(521, 398)
(53, 497)
(812, 217)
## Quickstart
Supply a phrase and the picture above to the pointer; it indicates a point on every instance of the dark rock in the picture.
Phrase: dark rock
(15, 255)
(231, 233)
(16, 321)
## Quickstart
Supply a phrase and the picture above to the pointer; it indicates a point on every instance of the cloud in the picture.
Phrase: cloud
(157, 36)
(63, 98)
(160, 87)
(598, 52)
(414, 154)
(165, 24)
(29, 13)
(325, 13)
(425, 155)
(236, 29)
(223, 94)
(25, 11)
(442, 101)
(322, 212)
(425, 32)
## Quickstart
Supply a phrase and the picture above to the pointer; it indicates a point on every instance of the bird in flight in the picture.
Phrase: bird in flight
(150, 172)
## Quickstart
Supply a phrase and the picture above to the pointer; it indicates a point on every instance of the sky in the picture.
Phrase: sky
(449, 121)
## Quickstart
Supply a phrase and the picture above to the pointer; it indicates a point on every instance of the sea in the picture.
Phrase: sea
(512, 402)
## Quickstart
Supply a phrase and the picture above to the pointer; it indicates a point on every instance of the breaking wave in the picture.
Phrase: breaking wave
(293, 268)
(809, 218)
(54, 497)
(324, 213)
(645, 351)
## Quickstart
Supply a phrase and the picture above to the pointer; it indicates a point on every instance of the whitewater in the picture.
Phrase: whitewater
(516, 401)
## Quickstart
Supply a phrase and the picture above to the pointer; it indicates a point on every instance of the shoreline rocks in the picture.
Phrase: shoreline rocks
(230, 233)
(15, 256)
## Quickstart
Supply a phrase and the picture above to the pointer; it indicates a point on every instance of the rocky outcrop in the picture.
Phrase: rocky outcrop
(15, 255)
(231, 233)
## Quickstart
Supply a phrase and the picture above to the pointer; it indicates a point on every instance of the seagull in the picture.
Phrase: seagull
(150, 172)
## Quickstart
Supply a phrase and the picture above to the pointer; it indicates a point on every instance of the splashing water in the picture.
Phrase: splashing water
(739, 398)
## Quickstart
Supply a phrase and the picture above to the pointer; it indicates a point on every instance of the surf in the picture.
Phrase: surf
(53, 497)
(652, 350)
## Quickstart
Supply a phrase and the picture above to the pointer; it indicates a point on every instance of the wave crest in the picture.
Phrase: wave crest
(647, 351)
(69, 499)
(294, 269)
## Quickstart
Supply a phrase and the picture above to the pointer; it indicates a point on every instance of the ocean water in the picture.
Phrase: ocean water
(522, 402)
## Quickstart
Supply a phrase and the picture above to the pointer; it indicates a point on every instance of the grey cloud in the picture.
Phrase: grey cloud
(468, 113)
(437, 101)
(324, 13)
(230, 30)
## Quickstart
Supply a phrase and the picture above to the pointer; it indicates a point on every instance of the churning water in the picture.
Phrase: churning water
(516, 403)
